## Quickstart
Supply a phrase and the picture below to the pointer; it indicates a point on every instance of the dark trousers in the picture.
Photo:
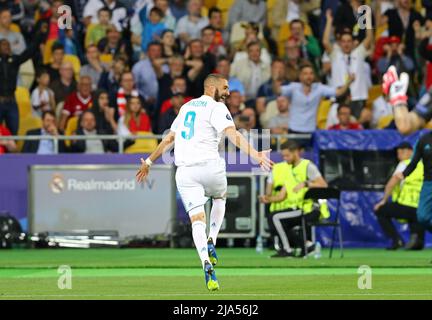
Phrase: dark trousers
(9, 113)
(392, 210)
(287, 225)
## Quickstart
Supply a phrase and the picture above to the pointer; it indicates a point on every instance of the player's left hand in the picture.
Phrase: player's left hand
(264, 160)
(143, 171)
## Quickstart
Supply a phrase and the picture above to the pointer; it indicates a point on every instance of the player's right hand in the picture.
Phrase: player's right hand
(143, 171)
(264, 160)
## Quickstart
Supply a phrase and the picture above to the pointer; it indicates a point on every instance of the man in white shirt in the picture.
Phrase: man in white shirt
(346, 59)
(196, 133)
(118, 12)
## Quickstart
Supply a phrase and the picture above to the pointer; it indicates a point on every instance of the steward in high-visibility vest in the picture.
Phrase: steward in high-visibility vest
(405, 196)
(286, 188)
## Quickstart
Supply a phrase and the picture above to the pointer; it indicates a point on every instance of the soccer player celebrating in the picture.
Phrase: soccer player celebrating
(196, 133)
(406, 122)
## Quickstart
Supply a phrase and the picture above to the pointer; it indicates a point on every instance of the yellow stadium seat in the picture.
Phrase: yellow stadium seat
(143, 145)
(270, 5)
(106, 58)
(204, 11)
(75, 62)
(22, 96)
(27, 73)
(384, 121)
(25, 124)
(47, 54)
(224, 6)
(71, 128)
(15, 28)
(322, 114)
(374, 92)
(429, 125)
(380, 30)
(210, 3)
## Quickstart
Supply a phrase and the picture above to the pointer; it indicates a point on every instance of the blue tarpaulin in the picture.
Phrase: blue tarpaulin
(359, 224)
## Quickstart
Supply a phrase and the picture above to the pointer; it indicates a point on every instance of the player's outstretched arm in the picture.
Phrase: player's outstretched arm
(262, 157)
(166, 144)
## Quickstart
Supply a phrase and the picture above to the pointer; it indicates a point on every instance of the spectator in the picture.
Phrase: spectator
(152, 30)
(216, 22)
(347, 59)
(49, 129)
(247, 10)
(165, 80)
(169, 45)
(77, 102)
(189, 27)
(134, 121)
(247, 120)
(9, 66)
(178, 8)
(400, 22)
(15, 39)
(290, 10)
(42, 98)
(344, 117)
(104, 113)
(425, 51)
(65, 84)
(305, 97)
(235, 104)
(252, 72)
(167, 118)
(110, 80)
(198, 66)
(267, 91)
(115, 45)
(50, 23)
(395, 56)
(293, 60)
(251, 35)
(118, 12)
(99, 30)
(208, 35)
(346, 17)
(308, 45)
(179, 86)
(124, 93)
(87, 127)
(279, 123)
(57, 56)
(16, 9)
(145, 74)
(94, 67)
(6, 145)
(224, 68)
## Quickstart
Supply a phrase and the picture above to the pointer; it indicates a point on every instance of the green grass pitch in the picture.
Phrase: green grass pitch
(242, 273)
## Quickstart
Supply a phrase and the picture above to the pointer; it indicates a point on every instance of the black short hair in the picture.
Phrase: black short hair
(3, 9)
(57, 46)
(253, 43)
(213, 10)
(158, 11)
(209, 27)
(154, 43)
(48, 112)
(296, 21)
(305, 65)
(106, 10)
(290, 145)
(40, 72)
(343, 105)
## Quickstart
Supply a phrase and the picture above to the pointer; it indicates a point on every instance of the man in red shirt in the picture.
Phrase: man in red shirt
(6, 145)
(77, 102)
(344, 116)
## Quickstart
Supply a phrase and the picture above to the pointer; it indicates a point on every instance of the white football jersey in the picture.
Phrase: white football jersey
(198, 130)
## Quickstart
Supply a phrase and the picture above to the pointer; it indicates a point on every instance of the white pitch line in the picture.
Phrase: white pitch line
(218, 294)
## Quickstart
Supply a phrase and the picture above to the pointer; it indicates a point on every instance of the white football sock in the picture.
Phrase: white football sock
(200, 239)
(217, 215)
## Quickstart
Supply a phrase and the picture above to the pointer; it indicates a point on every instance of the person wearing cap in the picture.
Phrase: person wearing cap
(405, 195)
(395, 55)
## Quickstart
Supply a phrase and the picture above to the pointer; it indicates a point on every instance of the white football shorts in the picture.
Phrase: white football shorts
(197, 183)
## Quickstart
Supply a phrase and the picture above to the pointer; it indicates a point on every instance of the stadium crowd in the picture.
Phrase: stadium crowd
(126, 67)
